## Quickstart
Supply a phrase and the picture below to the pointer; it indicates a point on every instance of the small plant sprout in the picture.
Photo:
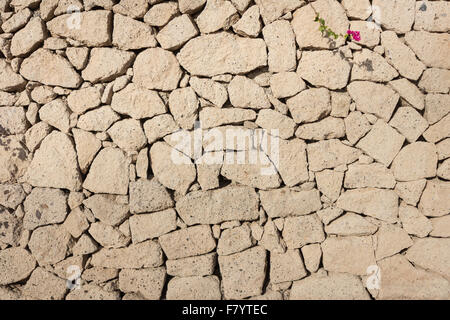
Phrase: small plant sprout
(351, 35)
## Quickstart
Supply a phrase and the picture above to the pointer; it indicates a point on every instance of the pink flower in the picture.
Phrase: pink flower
(355, 35)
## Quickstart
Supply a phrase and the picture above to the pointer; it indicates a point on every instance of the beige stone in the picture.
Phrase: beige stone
(330, 154)
(397, 15)
(431, 254)
(49, 244)
(92, 292)
(194, 288)
(409, 92)
(434, 201)
(217, 14)
(439, 130)
(202, 265)
(132, 34)
(234, 240)
(292, 165)
(148, 196)
(435, 80)
(329, 182)
(128, 135)
(17, 264)
(153, 225)
(327, 128)
(431, 48)
(56, 114)
(391, 240)
(106, 64)
(286, 84)
(371, 66)
(411, 191)
(210, 90)
(356, 126)
(436, 107)
(177, 32)
(310, 105)
(190, 6)
(213, 117)
(302, 230)
(441, 227)
(29, 38)
(76, 223)
(78, 56)
(286, 266)
(270, 120)
(17, 20)
(351, 224)
(87, 146)
(11, 195)
(432, 16)
(132, 8)
(160, 14)
(183, 105)
(373, 175)
(415, 161)
(79, 101)
(12, 120)
(15, 157)
(414, 222)
(44, 285)
(271, 239)
(246, 93)
(148, 282)
(280, 40)
(159, 126)
(249, 25)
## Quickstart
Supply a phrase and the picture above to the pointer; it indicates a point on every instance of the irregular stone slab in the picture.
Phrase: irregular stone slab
(44, 285)
(409, 92)
(11, 195)
(44, 206)
(330, 154)
(157, 68)
(17, 264)
(92, 292)
(148, 282)
(397, 15)
(192, 266)
(12, 120)
(369, 30)
(194, 288)
(286, 202)
(356, 126)
(439, 130)
(107, 236)
(99, 71)
(329, 214)
(153, 225)
(246, 93)
(210, 90)
(234, 240)
(211, 117)
(55, 164)
(401, 56)
(177, 32)
(78, 56)
(325, 68)
(87, 146)
(292, 166)
(329, 182)
(243, 273)
(15, 158)
(411, 191)
(378, 203)
(49, 244)
(217, 14)
(10, 80)
(188, 242)
(190, 6)
(348, 254)
(146, 254)
(391, 240)
(93, 29)
(431, 48)
(108, 172)
(107, 208)
(128, 135)
(56, 114)
(280, 40)
(286, 266)
(307, 30)
(431, 254)
(51, 69)
(172, 168)
(436, 107)
(17, 20)
(432, 16)
(79, 101)
(351, 224)
(373, 175)
(216, 206)
(300, 231)
(161, 13)
(382, 135)
(312, 254)
(414, 222)
(334, 286)
(310, 105)
(99, 119)
(415, 161)
(130, 34)
(271, 238)
(443, 149)
(159, 126)
(381, 102)
(286, 84)
(435, 201)
(444, 170)
(132, 8)
(328, 128)
(271, 10)
(183, 105)
(401, 280)
(435, 80)
(371, 66)
(441, 227)
(249, 25)
(222, 53)
(29, 38)
(148, 196)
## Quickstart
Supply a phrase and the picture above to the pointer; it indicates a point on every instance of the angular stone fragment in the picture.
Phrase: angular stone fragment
(436, 107)
(356, 126)
(329, 182)
(271, 239)
(15, 158)
(12, 120)
(286, 202)
(435, 80)
(310, 105)
(435, 201)
(50, 69)
(216, 206)
(44, 285)
(221, 53)
(92, 28)
(444, 170)
(330, 154)
(292, 164)
(87, 146)
(211, 117)
(56, 114)
(106, 64)
(382, 135)
(409, 92)
(348, 254)
(108, 172)
(92, 292)
(324, 68)
(439, 130)
(243, 273)
(188, 242)
(249, 25)
(441, 227)
(280, 40)
(401, 56)
(153, 225)
(432, 48)
(79, 101)
(381, 102)
(190, 6)
(371, 66)
(128, 135)
(194, 288)
(16, 264)
(183, 105)
(246, 93)
(160, 14)
(307, 30)
(159, 126)
(401, 280)
(373, 175)
(49, 244)
(209, 90)
(328, 128)
(431, 254)
(415, 161)
(44, 206)
(130, 34)
(148, 196)
(397, 15)
(177, 32)
(141, 255)
(11, 195)
(17, 20)
(132, 8)
(55, 164)
(334, 286)
(286, 84)
(192, 266)
(106, 208)
(217, 14)
(414, 222)
(370, 30)
(9, 80)
(391, 240)
(286, 266)
(299, 231)
(29, 38)
(351, 224)
(432, 16)
(234, 240)
(76, 223)
(329, 214)
(410, 191)
(378, 203)
(148, 282)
